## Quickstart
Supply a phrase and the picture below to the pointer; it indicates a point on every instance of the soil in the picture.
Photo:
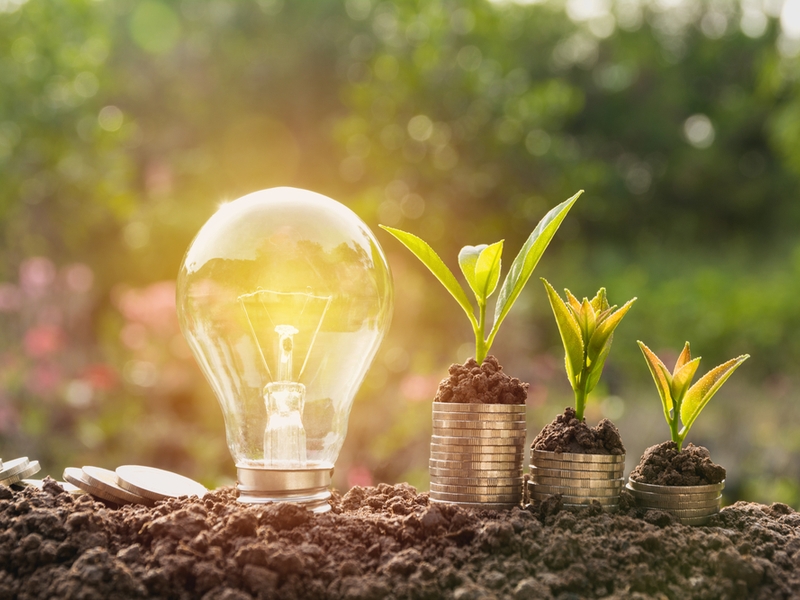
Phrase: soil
(386, 542)
(481, 384)
(567, 434)
(662, 464)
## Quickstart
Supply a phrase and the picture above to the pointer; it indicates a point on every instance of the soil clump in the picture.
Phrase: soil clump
(662, 464)
(388, 542)
(567, 434)
(486, 383)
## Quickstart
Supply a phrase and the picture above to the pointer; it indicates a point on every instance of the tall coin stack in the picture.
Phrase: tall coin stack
(476, 454)
(579, 478)
(692, 504)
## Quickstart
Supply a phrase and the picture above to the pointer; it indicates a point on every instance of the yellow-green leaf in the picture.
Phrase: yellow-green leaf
(685, 357)
(600, 301)
(573, 302)
(467, 259)
(660, 376)
(487, 269)
(605, 328)
(701, 392)
(570, 334)
(435, 265)
(682, 378)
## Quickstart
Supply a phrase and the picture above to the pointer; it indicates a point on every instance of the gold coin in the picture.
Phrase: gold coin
(478, 481)
(494, 498)
(478, 465)
(449, 440)
(579, 483)
(580, 467)
(577, 458)
(474, 474)
(676, 489)
(577, 500)
(566, 474)
(685, 497)
(484, 449)
(576, 492)
(479, 425)
(481, 505)
(476, 489)
(476, 456)
(478, 417)
(480, 433)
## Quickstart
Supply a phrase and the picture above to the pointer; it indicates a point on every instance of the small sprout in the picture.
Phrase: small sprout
(481, 268)
(682, 404)
(587, 329)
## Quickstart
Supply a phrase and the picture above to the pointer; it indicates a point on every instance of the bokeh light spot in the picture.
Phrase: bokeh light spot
(699, 131)
(155, 27)
(110, 118)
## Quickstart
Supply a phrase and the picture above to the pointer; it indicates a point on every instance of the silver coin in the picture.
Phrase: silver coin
(476, 489)
(676, 489)
(478, 417)
(476, 457)
(472, 466)
(475, 473)
(106, 480)
(12, 467)
(157, 484)
(480, 505)
(579, 483)
(576, 492)
(479, 481)
(30, 469)
(514, 442)
(685, 497)
(577, 458)
(494, 498)
(565, 474)
(78, 478)
(688, 513)
(478, 408)
(480, 433)
(515, 449)
(679, 505)
(578, 500)
(572, 466)
(479, 425)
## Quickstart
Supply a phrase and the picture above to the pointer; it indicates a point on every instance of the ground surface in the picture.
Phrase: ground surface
(385, 542)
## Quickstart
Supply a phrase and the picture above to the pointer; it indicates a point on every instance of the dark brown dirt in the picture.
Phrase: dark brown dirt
(481, 384)
(567, 434)
(662, 464)
(386, 542)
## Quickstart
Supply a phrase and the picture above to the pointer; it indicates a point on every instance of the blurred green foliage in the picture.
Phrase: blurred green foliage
(123, 124)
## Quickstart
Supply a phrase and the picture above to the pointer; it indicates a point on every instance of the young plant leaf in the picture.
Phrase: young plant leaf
(570, 334)
(487, 270)
(701, 392)
(682, 378)
(435, 265)
(573, 302)
(605, 329)
(527, 259)
(467, 259)
(685, 357)
(600, 301)
(660, 376)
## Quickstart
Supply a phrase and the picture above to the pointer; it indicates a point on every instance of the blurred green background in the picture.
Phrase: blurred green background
(124, 124)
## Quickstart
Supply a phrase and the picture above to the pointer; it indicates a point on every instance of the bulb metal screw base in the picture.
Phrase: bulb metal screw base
(307, 487)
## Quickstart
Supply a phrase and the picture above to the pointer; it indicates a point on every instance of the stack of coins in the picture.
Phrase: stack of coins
(579, 478)
(14, 471)
(132, 484)
(692, 504)
(476, 454)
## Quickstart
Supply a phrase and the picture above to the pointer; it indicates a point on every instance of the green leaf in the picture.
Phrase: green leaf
(600, 301)
(660, 376)
(573, 302)
(587, 319)
(487, 269)
(527, 259)
(467, 259)
(682, 378)
(435, 265)
(596, 366)
(570, 334)
(605, 329)
(684, 358)
(701, 392)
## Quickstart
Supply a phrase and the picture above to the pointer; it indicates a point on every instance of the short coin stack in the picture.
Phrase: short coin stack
(692, 504)
(14, 471)
(579, 478)
(476, 454)
(132, 484)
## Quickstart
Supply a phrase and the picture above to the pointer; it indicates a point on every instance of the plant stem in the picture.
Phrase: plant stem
(581, 394)
(481, 347)
(675, 425)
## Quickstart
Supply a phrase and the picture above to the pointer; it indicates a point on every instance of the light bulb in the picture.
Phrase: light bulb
(284, 297)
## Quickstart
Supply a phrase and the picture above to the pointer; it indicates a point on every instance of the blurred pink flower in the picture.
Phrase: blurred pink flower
(43, 340)
(359, 475)
(101, 376)
(43, 379)
(35, 275)
(419, 387)
(79, 277)
(153, 306)
(10, 297)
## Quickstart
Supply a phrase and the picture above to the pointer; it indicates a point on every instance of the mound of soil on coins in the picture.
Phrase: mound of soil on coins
(567, 434)
(481, 384)
(662, 464)
(386, 542)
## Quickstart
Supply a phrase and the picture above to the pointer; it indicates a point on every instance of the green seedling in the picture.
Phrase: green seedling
(682, 404)
(481, 268)
(587, 329)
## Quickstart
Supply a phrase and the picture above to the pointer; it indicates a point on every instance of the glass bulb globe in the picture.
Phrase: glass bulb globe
(284, 297)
